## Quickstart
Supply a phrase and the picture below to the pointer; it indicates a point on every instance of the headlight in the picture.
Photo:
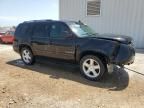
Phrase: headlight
(132, 44)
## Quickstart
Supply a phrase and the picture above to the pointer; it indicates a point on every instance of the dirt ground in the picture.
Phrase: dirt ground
(58, 85)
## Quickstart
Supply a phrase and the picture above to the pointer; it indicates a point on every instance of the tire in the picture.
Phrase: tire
(27, 56)
(92, 68)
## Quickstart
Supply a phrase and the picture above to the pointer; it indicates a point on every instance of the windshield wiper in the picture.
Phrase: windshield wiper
(94, 34)
(89, 35)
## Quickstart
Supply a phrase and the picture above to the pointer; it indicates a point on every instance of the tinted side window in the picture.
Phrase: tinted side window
(23, 30)
(18, 30)
(26, 30)
(59, 30)
(41, 30)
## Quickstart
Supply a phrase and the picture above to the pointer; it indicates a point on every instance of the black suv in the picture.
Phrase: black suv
(73, 41)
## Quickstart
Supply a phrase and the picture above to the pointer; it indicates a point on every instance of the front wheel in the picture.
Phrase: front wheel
(27, 56)
(92, 67)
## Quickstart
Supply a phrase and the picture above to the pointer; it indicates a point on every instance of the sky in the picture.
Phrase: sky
(13, 12)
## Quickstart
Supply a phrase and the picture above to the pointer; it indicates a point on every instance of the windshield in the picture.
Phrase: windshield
(11, 33)
(82, 30)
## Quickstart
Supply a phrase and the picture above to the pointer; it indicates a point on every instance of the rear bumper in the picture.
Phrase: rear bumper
(15, 47)
(126, 55)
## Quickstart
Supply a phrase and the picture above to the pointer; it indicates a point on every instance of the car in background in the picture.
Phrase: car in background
(7, 37)
(2, 33)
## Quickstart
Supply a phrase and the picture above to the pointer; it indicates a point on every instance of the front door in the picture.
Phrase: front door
(62, 42)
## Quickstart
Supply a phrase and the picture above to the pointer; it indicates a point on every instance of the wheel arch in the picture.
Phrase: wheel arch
(24, 45)
(100, 55)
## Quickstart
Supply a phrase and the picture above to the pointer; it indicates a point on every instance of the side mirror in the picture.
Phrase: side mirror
(67, 34)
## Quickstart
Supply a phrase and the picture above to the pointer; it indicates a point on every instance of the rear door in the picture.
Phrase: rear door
(62, 42)
(40, 38)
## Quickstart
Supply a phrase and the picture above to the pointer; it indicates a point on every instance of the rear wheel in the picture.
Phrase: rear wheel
(27, 56)
(92, 67)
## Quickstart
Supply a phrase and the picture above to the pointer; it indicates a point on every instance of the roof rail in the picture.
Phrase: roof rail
(37, 21)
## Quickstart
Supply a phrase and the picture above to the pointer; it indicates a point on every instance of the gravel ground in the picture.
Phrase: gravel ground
(49, 84)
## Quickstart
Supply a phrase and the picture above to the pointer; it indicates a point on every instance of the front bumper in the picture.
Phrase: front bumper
(126, 55)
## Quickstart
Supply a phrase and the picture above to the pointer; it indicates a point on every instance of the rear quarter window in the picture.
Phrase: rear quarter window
(17, 32)
(23, 30)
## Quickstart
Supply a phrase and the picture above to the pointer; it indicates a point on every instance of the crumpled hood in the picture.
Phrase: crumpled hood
(113, 37)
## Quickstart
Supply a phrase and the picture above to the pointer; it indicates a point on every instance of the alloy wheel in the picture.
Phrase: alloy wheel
(26, 55)
(91, 68)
